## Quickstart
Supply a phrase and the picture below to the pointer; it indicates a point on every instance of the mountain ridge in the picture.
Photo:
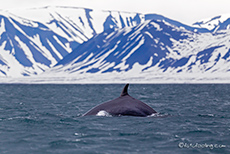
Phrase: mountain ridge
(72, 41)
(155, 45)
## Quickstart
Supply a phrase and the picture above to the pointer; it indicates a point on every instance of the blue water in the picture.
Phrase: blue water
(47, 119)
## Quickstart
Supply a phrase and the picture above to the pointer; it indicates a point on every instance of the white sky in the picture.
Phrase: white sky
(186, 11)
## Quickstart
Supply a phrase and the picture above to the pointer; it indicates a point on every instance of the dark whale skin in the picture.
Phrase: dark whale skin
(125, 105)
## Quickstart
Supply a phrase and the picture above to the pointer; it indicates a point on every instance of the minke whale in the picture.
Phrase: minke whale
(125, 105)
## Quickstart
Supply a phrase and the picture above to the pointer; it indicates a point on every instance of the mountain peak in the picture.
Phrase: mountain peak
(220, 22)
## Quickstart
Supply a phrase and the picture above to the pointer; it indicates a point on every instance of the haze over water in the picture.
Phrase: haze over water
(47, 119)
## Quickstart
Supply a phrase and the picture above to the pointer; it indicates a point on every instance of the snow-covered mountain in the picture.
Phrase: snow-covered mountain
(81, 43)
(29, 47)
(34, 40)
(153, 46)
(119, 50)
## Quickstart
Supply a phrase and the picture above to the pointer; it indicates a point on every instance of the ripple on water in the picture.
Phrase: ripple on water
(51, 120)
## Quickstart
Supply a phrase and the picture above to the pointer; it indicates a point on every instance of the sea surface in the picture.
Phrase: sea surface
(47, 119)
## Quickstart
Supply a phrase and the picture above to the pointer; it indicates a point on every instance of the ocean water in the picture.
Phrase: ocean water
(193, 118)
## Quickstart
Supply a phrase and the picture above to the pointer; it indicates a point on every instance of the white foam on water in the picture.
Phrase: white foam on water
(154, 115)
(103, 113)
(160, 115)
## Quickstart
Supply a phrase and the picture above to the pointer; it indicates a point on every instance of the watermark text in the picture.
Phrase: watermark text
(200, 145)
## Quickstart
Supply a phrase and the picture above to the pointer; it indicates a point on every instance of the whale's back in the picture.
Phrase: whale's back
(125, 105)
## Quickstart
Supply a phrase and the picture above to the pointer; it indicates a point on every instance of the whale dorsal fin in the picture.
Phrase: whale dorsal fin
(125, 90)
